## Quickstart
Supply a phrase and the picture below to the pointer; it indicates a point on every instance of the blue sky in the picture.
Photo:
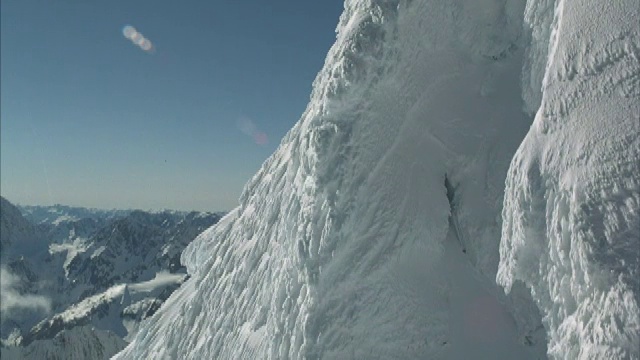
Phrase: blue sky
(88, 118)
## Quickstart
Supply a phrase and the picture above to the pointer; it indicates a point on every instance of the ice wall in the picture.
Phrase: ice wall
(341, 245)
(348, 244)
(571, 214)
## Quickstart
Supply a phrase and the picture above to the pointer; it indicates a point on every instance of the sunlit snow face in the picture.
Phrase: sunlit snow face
(137, 38)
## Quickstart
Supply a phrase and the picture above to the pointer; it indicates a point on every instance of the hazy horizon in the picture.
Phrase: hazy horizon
(115, 208)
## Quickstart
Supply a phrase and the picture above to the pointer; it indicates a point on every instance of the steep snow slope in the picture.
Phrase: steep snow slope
(571, 227)
(341, 246)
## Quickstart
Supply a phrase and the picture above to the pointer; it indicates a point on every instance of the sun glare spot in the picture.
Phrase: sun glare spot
(249, 128)
(146, 45)
(137, 38)
(129, 31)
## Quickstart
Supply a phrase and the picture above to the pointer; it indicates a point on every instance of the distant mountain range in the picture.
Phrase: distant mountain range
(86, 276)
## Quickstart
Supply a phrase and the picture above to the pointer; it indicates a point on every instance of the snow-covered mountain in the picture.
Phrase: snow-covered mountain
(19, 236)
(55, 214)
(85, 281)
(133, 248)
(79, 343)
(374, 230)
(571, 213)
(27, 271)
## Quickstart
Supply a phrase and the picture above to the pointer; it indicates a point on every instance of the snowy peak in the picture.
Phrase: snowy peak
(339, 245)
(55, 214)
(133, 248)
(374, 230)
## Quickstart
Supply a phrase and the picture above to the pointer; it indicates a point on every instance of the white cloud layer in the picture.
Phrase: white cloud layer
(11, 299)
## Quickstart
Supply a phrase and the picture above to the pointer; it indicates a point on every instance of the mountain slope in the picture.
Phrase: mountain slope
(342, 242)
(19, 236)
(72, 284)
(24, 272)
(78, 344)
(572, 204)
(56, 214)
(135, 247)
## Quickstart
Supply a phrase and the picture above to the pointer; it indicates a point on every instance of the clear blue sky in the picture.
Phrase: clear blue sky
(88, 118)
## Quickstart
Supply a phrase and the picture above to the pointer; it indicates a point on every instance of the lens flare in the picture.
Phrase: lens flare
(137, 38)
(146, 45)
(249, 128)
(129, 31)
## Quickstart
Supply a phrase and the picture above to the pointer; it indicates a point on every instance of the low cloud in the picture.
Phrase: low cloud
(137, 38)
(11, 299)
(250, 129)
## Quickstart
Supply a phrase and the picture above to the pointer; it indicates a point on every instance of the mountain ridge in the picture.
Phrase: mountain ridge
(86, 263)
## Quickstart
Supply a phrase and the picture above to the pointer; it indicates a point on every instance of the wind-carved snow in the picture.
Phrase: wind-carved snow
(571, 227)
(341, 245)
(161, 280)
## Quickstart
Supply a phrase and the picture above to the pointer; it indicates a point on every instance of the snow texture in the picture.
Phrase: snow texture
(571, 214)
(373, 232)
(341, 246)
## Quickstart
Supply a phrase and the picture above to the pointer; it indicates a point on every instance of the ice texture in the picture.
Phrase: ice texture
(571, 214)
(373, 231)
